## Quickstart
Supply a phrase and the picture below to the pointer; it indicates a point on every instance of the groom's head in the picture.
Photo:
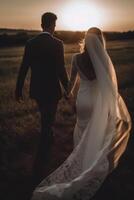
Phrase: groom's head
(48, 22)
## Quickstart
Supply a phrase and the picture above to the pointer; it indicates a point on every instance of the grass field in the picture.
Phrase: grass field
(19, 126)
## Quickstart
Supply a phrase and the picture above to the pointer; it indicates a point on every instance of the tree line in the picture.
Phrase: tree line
(19, 38)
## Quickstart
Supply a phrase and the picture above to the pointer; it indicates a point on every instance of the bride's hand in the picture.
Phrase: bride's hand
(70, 95)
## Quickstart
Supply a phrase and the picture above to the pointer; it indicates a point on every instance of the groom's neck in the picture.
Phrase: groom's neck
(48, 30)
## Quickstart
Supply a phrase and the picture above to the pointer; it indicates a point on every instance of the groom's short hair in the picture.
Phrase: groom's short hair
(48, 19)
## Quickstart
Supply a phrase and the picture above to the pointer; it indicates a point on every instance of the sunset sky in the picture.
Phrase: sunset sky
(110, 15)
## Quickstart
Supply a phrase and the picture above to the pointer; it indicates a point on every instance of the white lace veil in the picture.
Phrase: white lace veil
(105, 107)
(101, 61)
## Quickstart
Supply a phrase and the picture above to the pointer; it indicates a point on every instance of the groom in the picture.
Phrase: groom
(44, 55)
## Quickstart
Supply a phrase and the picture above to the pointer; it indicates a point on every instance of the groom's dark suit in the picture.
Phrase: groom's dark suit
(44, 54)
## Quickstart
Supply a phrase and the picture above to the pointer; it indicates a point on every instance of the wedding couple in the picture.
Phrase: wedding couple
(103, 123)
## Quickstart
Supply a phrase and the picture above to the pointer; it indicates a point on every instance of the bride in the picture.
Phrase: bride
(102, 129)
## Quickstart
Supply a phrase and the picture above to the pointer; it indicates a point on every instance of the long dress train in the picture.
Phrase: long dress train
(100, 136)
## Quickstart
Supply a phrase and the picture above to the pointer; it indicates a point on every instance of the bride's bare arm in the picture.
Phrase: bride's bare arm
(73, 75)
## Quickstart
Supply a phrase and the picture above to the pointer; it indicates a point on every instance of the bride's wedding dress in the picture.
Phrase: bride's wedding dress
(100, 136)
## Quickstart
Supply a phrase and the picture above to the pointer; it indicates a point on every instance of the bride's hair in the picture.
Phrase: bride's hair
(98, 33)
(89, 71)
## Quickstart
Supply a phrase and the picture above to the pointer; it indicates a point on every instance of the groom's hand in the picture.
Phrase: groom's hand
(66, 96)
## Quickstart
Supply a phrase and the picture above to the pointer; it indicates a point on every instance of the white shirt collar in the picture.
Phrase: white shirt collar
(46, 32)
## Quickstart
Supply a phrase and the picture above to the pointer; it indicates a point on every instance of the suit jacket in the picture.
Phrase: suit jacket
(44, 54)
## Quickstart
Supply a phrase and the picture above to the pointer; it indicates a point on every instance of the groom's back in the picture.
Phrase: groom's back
(42, 52)
(44, 63)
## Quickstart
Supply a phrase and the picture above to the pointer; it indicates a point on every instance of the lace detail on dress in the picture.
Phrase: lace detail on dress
(88, 190)
(71, 169)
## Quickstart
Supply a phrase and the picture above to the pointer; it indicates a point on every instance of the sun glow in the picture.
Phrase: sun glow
(81, 16)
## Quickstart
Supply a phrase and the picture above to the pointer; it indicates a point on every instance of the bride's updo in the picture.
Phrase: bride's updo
(97, 32)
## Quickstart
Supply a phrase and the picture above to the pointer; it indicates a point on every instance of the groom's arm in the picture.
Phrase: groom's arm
(22, 73)
(63, 76)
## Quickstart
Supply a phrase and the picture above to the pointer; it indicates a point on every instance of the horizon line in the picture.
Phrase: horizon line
(38, 30)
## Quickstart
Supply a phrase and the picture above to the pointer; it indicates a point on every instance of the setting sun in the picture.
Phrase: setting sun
(79, 16)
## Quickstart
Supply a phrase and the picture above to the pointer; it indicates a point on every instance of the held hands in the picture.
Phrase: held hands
(68, 94)
(19, 97)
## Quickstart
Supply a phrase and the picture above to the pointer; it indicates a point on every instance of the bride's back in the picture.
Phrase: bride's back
(85, 65)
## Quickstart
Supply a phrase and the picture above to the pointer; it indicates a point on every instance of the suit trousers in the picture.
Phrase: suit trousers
(47, 113)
